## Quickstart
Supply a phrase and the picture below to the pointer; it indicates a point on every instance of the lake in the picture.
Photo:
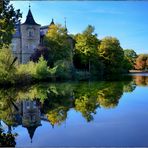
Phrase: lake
(77, 113)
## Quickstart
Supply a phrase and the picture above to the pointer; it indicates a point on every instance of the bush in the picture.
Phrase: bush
(7, 66)
(33, 71)
(42, 70)
(63, 69)
(25, 72)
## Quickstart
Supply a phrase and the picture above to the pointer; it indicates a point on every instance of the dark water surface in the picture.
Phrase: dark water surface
(77, 114)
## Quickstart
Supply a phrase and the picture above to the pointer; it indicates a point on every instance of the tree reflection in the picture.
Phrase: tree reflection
(57, 115)
(141, 80)
(8, 107)
(6, 139)
(129, 86)
(86, 106)
(109, 96)
(51, 102)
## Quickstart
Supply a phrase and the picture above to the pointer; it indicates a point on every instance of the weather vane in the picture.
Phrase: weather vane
(29, 6)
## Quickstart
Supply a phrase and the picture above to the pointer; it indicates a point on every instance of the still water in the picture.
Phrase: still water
(77, 114)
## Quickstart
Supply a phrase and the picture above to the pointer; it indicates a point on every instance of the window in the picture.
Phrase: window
(28, 105)
(30, 33)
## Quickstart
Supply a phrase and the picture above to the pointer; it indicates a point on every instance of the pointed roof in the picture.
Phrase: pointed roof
(29, 19)
(31, 131)
(52, 22)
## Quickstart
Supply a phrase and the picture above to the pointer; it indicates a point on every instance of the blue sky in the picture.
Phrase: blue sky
(126, 20)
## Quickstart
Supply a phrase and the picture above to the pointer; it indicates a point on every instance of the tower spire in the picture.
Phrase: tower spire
(29, 19)
(52, 22)
(65, 24)
(65, 21)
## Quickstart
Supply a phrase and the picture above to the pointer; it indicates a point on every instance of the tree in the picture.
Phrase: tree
(56, 40)
(142, 62)
(111, 55)
(130, 58)
(86, 48)
(8, 18)
(89, 30)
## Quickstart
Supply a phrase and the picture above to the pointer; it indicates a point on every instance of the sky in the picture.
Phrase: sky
(125, 20)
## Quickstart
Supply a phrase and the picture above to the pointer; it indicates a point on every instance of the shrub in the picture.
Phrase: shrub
(26, 72)
(63, 69)
(33, 71)
(42, 70)
(7, 66)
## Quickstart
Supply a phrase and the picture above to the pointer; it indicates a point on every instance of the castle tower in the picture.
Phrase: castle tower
(30, 32)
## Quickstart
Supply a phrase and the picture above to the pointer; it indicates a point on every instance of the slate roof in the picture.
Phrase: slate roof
(29, 19)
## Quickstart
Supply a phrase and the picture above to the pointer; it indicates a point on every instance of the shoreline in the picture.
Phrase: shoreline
(138, 71)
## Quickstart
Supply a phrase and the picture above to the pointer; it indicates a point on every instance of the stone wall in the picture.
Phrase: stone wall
(16, 48)
(30, 40)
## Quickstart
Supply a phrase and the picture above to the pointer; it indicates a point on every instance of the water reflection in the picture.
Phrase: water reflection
(51, 102)
(141, 80)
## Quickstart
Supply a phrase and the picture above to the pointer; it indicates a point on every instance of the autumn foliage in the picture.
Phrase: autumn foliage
(142, 62)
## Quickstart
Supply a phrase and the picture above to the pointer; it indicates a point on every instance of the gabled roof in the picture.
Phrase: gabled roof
(29, 19)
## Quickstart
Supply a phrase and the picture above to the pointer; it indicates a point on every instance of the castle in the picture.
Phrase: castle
(27, 37)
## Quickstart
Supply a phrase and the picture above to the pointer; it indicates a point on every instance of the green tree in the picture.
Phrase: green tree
(111, 55)
(8, 18)
(58, 46)
(85, 55)
(63, 69)
(129, 58)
